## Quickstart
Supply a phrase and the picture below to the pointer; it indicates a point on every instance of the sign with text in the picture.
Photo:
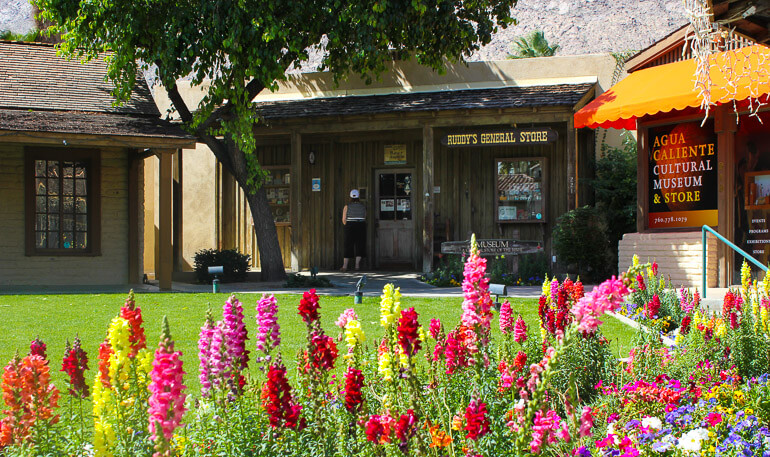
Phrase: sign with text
(507, 137)
(682, 177)
(492, 247)
(395, 154)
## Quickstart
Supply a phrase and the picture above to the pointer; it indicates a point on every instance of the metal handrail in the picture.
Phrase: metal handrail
(732, 246)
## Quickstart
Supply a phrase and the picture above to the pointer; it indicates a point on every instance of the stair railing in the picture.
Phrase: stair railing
(732, 246)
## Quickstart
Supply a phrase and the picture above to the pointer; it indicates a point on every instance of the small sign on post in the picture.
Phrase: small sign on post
(492, 247)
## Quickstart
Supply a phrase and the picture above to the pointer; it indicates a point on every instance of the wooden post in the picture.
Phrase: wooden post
(164, 268)
(427, 198)
(134, 218)
(725, 126)
(295, 205)
(571, 164)
(641, 178)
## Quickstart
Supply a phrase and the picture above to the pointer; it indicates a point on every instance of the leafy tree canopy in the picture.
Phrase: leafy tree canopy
(532, 45)
(243, 46)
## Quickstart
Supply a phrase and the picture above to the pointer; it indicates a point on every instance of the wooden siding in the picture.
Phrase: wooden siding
(466, 177)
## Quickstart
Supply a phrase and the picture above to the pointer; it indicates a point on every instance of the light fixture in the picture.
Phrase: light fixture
(311, 157)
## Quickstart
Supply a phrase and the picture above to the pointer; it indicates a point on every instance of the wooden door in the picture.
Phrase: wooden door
(393, 215)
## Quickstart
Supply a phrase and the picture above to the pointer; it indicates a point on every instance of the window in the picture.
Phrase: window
(62, 202)
(277, 187)
(521, 190)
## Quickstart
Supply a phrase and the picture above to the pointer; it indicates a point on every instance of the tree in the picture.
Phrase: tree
(245, 46)
(615, 190)
(532, 45)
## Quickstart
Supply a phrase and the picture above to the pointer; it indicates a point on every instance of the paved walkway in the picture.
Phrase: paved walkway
(344, 284)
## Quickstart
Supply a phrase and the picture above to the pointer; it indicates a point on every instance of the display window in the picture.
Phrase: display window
(277, 187)
(521, 190)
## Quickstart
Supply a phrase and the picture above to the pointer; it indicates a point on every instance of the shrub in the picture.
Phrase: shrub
(615, 190)
(580, 242)
(448, 273)
(533, 268)
(235, 264)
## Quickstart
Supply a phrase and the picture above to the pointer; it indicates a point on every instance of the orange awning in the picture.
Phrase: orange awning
(672, 87)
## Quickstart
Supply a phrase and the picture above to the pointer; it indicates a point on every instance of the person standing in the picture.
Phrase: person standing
(354, 230)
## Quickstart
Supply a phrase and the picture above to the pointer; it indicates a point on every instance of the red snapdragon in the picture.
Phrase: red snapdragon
(308, 306)
(408, 335)
(75, 364)
(476, 422)
(354, 381)
(277, 400)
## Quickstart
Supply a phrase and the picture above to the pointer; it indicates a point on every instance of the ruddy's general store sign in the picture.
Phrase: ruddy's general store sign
(541, 135)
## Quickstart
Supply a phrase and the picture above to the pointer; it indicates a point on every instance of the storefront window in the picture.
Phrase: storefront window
(277, 188)
(520, 190)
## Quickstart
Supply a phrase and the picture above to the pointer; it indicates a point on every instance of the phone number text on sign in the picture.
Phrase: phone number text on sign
(670, 219)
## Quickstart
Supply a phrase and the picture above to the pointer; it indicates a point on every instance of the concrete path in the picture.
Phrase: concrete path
(344, 284)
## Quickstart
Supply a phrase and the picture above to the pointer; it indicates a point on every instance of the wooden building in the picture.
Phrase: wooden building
(697, 168)
(71, 173)
(488, 148)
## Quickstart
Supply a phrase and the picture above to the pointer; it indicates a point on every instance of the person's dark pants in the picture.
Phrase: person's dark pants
(355, 239)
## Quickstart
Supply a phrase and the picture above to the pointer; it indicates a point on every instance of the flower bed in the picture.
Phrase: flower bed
(448, 389)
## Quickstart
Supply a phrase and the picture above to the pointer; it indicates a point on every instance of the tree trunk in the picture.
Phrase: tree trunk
(270, 258)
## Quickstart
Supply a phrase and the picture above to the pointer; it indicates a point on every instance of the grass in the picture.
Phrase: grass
(56, 318)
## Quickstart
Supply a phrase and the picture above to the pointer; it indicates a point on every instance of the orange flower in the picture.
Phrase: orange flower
(438, 438)
(29, 396)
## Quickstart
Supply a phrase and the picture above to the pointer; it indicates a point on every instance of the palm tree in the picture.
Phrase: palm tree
(532, 45)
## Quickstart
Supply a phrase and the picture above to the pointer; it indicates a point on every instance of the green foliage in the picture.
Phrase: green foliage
(7, 35)
(581, 243)
(586, 362)
(615, 190)
(532, 45)
(240, 47)
(448, 273)
(533, 268)
(749, 349)
(297, 280)
(235, 264)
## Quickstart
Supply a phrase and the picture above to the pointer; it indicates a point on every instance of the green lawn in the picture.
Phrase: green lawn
(56, 318)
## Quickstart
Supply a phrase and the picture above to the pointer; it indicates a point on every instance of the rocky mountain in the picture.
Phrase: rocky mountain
(16, 16)
(577, 26)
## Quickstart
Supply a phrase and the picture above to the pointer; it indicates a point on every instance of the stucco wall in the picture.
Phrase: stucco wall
(110, 268)
(679, 255)
(199, 204)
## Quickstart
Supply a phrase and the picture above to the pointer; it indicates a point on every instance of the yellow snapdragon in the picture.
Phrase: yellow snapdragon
(354, 335)
(384, 368)
(390, 305)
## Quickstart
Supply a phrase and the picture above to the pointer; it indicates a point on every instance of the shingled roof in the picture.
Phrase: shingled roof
(40, 91)
(504, 97)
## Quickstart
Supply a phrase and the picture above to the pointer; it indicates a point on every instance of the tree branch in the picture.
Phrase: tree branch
(253, 88)
(218, 148)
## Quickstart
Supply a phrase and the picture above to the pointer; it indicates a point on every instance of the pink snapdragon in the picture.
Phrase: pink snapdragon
(268, 330)
(506, 317)
(606, 297)
(477, 303)
(520, 330)
(435, 328)
(204, 354)
(586, 421)
(166, 393)
(346, 316)
(235, 334)
(554, 291)
(547, 428)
